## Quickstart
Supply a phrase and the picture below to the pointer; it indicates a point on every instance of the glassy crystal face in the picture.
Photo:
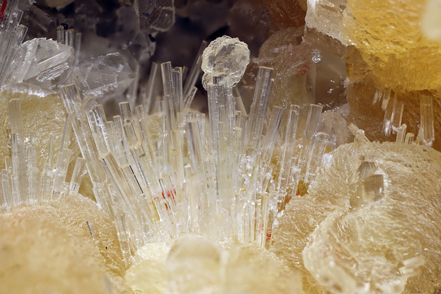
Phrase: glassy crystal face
(103, 76)
(290, 81)
(287, 13)
(326, 17)
(42, 62)
(157, 14)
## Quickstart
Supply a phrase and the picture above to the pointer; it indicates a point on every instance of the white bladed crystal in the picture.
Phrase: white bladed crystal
(41, 62)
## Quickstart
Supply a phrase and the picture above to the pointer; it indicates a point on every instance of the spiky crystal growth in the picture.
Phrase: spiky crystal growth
(216, 180)
(210, 178)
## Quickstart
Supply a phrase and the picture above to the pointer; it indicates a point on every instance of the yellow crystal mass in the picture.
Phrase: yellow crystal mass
(389, 37)
(352, 244)
(50, 249)
(43, 114)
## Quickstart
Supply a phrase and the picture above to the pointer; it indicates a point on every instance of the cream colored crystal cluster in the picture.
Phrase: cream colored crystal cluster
(368, 224)
(327, 183)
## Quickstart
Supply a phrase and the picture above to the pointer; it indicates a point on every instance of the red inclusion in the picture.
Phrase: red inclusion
(268, 237)
(169, 195)
(2, 9)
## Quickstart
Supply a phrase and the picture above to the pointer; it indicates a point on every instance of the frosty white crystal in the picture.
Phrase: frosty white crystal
(198, 265)
(194, 265)
(225, 56)
(157, 15)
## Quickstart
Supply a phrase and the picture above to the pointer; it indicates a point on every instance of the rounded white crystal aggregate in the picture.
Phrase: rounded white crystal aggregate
(225, 56)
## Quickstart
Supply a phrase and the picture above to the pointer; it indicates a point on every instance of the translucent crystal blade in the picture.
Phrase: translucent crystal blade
(427, 127)
(195, 71)
(77, 175)
(401, 134)
(258, 107)
(60, 174)
(32, 173)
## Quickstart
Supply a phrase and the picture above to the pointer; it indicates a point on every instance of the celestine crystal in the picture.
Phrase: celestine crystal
(312, 169)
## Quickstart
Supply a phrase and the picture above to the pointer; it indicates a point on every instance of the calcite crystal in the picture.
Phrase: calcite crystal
(353, 242)
(287, 13)
(389, 37)
(72, 248)
(197, 265)
(41, 62)
(103, 75)
(290, 81)
(326, 17)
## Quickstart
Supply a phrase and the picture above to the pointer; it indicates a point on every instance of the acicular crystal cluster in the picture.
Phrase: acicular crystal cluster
(282, 186)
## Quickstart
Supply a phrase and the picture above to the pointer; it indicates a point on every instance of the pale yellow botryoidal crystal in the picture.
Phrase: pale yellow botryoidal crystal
(198, 265)
(369, 224)
(149, 276)
(389, 36)
(49, 249)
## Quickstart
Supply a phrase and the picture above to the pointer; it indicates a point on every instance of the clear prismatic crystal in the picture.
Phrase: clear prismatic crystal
(314, 169)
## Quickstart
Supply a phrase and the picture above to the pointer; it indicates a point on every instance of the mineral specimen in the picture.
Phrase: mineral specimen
(391, 43)
(287, 13)
(286, 185)
(290, 81)
(43, 118)
(41, 62)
